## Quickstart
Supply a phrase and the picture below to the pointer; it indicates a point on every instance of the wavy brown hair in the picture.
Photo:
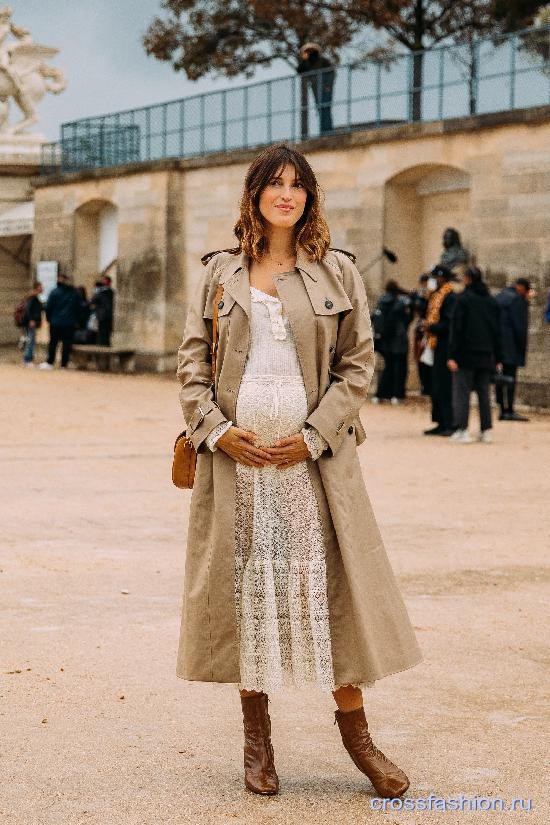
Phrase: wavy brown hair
(311, 231)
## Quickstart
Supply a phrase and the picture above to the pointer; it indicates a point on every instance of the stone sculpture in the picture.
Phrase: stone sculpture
(454, 256)
(25, 77)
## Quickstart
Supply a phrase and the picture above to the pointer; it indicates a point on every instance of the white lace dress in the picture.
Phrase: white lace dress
(280, 572)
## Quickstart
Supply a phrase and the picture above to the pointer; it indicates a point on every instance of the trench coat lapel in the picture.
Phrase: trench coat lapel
(236, 282)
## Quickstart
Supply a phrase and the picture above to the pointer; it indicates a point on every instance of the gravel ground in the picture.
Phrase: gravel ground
(95, 727)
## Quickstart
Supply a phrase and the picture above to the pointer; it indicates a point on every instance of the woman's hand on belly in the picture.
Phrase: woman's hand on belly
(239, 445)
(288, 451)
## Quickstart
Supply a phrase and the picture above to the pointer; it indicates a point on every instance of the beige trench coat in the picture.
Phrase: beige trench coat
(326, 304)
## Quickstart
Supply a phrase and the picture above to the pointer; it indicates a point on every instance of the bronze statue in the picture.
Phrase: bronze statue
(454, 256)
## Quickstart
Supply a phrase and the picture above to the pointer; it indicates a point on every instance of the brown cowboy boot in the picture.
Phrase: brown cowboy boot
(388, 780)
(260, 775)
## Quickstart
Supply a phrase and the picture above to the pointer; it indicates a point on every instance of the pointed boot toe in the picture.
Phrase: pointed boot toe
(388, 780)
(260, 775)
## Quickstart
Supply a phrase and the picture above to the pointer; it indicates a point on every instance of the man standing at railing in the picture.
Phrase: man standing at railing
(319, 74)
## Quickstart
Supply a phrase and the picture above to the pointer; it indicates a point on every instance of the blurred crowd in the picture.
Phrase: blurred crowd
(464, 340)
(72, 318)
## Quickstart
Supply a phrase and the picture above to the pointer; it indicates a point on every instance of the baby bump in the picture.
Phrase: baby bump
(272, 406)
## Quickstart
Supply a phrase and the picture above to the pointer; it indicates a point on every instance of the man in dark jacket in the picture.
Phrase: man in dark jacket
(437, 324)
(514, 315)
(321, 82)
(62, 313)
(394, 308)
(103, 302)
(475, 351)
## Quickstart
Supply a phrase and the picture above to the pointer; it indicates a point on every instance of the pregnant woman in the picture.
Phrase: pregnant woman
(286, 578)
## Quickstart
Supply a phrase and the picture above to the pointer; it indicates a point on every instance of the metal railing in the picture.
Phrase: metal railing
(446, 82)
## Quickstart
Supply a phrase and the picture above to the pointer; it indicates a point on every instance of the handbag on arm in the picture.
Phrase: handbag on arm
(185, 455)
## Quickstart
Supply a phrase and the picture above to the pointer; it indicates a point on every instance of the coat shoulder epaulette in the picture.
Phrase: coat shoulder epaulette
(209, 255)
(350, 255)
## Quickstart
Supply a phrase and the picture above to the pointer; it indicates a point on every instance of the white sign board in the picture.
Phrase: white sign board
(46, 273)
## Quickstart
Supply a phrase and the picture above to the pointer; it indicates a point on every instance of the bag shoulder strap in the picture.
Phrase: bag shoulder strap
(214, 351)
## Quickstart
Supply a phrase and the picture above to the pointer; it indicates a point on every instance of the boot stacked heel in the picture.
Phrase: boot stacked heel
(260, 775)
(388, 780)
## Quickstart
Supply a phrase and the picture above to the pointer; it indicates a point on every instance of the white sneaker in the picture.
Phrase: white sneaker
(462, 437)
(485, 437)
(29, 364)
(395, 400)
(45, 366)
(375, 400)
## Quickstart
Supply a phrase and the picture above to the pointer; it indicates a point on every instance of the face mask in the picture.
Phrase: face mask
(432, 284)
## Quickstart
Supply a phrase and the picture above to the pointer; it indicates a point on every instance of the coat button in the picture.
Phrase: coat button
(350, 430)
(220, 305)
(328, 304)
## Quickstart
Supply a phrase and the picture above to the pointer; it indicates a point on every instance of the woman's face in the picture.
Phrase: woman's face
(283, 200)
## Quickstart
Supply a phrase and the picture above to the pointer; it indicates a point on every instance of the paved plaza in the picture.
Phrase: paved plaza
(95, 727)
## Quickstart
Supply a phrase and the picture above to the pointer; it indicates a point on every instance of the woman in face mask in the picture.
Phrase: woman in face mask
(419, 304)
(437, 325)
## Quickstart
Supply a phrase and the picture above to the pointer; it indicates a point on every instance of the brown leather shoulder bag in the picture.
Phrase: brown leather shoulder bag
(185, 455)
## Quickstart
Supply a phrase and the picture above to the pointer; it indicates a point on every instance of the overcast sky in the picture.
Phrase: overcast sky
(100, 50)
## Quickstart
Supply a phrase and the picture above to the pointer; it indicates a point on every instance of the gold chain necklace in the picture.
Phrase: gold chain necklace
(280, 263)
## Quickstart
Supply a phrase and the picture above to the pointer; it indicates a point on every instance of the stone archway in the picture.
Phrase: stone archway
(420, 203)
(96, 241)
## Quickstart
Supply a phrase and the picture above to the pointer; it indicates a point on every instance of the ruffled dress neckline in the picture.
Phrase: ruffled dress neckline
(275, 309)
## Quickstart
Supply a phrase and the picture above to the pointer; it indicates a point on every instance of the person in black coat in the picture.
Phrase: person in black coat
(475, 351)
(442, 386)
(103, 304)
(62, 309)
(394, 308)
(322, 82)
(514, 315)
(33, 321)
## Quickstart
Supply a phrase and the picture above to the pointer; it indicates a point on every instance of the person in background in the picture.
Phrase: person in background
(62, 313)
(454, 256)
(419, 306)
(437, 325)
(102, 304)
(514, 314)
(475, 351)
(81, 335)
(33, 321)
(322, 82)
(394, 309)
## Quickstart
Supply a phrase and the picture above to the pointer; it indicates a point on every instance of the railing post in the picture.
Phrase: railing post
(474, 97)
(293, 82)
(304, 106)
(269, 103)
(224, 120)
(182, 128)
(245, 117)
(441, 82)
(164, 129)
(348, 107)
(409, 58)
(203, 136)
(513, 44)
(378, 93)
(148, 133)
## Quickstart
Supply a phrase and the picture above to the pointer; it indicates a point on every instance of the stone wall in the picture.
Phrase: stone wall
(15, 251)
(488, 176)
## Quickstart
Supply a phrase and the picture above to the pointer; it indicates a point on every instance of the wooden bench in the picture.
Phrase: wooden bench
(120, 359)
